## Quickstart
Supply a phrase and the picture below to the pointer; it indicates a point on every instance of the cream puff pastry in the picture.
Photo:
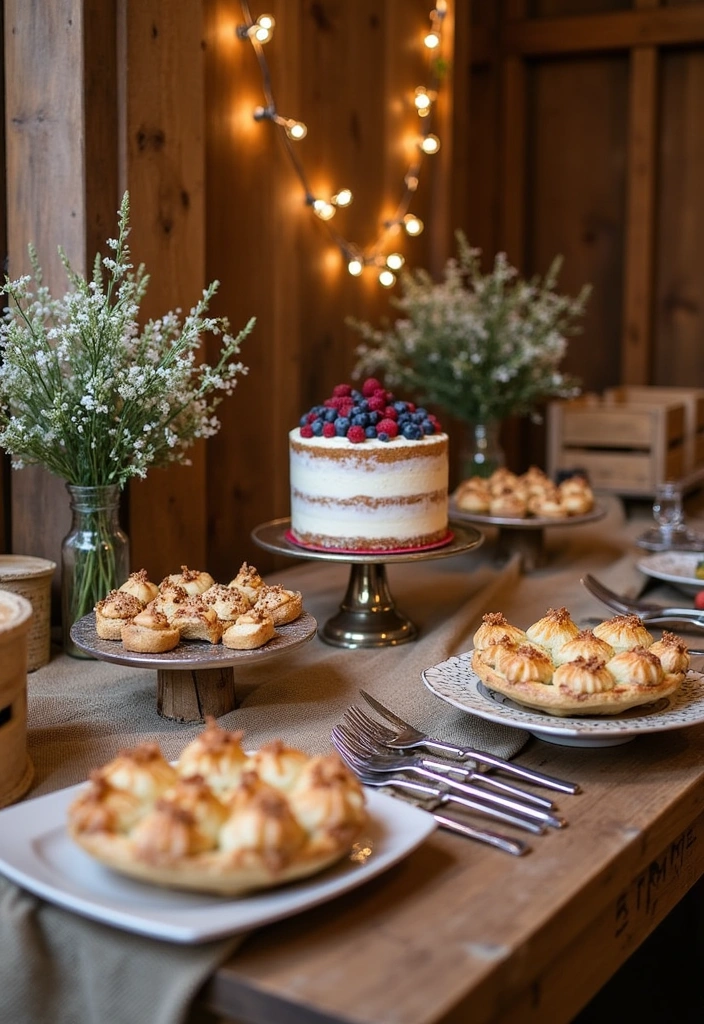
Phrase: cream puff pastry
(219, 821)
(557, 668)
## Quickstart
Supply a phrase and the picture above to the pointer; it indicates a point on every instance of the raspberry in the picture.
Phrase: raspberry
(340, 390)
(390, 413)
(312, 416)
(356, 435)
(387, 426)
(329, 430)
(376, 404)
(306, 431)
(370, 385)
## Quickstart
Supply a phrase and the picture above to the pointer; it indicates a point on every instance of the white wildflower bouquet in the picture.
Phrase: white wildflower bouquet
(92, 396)
(479, 346)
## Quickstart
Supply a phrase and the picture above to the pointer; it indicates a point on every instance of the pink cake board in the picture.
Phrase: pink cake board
(449, 536)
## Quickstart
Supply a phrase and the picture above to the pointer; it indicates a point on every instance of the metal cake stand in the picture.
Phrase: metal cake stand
(196, 678)
(525, 537)
(367, 616)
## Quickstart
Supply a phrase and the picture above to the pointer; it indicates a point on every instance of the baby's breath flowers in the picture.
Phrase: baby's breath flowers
(90, 394)
(480, 346)
(96, 398)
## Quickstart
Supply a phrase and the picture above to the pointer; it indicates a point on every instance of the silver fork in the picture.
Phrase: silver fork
(401, 763)
(407, 737)
(363, 726)
(646, 610)
(381, 777)
(429, 798)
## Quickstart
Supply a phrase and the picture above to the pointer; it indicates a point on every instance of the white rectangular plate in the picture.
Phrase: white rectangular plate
(37, 853)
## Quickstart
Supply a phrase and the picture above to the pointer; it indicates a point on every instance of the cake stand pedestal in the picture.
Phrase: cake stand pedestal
(196, 679)
(367, 616)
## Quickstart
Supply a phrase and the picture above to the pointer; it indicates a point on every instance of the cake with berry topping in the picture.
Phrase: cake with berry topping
(368, 473)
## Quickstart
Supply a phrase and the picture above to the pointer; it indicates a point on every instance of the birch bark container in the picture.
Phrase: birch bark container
(16, 769)
(31, 578)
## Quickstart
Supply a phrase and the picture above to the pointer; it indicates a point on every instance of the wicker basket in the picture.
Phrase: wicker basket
(31, 578)
(15, 767)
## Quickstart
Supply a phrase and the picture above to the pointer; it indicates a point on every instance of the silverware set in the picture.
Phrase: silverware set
(652, 614)
(389, 758)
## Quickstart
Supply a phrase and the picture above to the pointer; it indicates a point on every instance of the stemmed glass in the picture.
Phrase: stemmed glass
(671, 533)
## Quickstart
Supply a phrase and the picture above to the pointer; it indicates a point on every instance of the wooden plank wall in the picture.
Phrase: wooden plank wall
(595, 157)
(568, 126)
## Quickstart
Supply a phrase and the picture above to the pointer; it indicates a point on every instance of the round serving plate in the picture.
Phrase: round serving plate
(676, 567)
(523, 537)
(192, 654)
(455, 682)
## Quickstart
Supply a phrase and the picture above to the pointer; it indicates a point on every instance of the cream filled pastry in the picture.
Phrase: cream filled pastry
(250, 630)
(113, 612)
(220, 820)
(193, 581)
(149, 632)
(170, 597)
(283, 605)
(248, 581)
(139, 584)
(516, 496)
(557, 668)
(226, 602)
(197, 620)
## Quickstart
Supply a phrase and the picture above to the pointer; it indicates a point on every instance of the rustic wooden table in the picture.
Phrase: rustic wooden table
(458, 932)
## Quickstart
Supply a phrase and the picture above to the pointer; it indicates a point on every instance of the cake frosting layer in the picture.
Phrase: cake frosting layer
(373, 496)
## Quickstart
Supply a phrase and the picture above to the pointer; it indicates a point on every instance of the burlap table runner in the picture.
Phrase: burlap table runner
(59, 967)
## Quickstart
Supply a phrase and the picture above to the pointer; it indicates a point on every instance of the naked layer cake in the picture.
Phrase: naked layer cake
(368, 473)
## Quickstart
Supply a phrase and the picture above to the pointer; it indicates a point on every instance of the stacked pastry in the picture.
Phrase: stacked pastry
(219, 820)
(560, 669)
(190, 605)
(507, 495)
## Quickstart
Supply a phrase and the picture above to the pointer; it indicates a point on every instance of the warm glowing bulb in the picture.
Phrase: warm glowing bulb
(296, 130)
(441, 7)
(323, 210)
(343, 197)
(432, 40)
(263, 29)
(413, 225)
(411, 182)
(387, 279)
(355, 267)
(394, 261)
(430, 144)
(422, 101)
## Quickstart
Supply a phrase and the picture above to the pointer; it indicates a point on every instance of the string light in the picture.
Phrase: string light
(357, 259)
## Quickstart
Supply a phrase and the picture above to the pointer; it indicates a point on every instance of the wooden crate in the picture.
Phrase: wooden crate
(693, 401)
(626, 448)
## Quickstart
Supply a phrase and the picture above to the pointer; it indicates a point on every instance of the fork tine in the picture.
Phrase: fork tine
(375, 729)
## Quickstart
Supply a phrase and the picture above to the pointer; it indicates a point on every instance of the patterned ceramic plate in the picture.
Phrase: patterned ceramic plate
(676, 567)
(454, 682)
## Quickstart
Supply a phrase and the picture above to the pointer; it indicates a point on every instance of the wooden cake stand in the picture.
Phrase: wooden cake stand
(196, 678)
(367, 616)
(525, 537)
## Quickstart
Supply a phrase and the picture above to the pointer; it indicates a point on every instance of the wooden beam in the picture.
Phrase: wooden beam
(162, 161)
(513, 160)
(665, 26)
(45, 139)
(640, 218)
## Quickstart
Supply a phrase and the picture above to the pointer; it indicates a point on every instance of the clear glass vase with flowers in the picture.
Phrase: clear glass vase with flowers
(98, 398)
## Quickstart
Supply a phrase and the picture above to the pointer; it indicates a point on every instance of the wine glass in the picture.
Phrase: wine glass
(667, 510)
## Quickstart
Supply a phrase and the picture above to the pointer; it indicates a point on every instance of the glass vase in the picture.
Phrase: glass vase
(95, 555)
(481, 453)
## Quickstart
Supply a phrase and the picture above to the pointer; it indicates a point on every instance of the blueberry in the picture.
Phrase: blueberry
(370, 431)
(342, 425)
(373, 418)
(330, 415)
(423, 412)
(360, 420)
(400, 407)
(428, 427)
(383, 436)
(411, 431)
(317, 427)
(303, 420)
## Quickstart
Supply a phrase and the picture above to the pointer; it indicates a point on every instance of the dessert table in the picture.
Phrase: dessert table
(456, 931)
